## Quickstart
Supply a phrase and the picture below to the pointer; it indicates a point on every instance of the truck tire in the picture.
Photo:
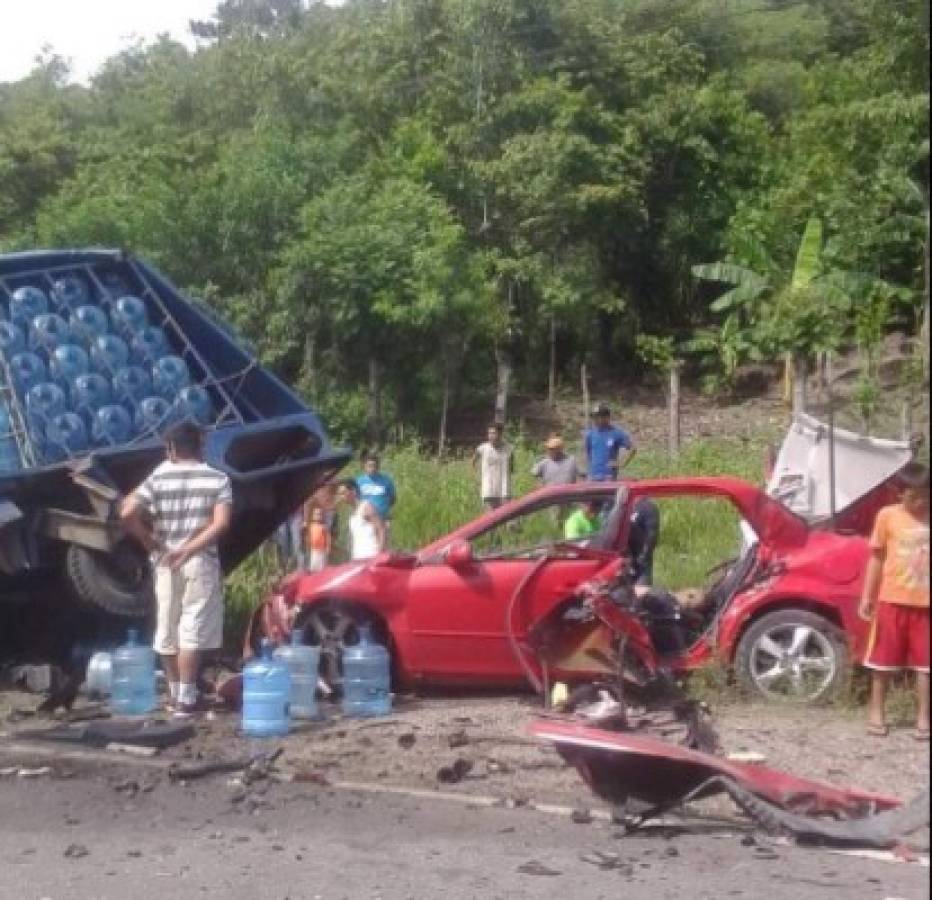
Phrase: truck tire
(794, 655)
(119, 582)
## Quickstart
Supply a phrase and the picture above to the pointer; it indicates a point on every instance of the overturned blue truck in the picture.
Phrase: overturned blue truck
(99, 353)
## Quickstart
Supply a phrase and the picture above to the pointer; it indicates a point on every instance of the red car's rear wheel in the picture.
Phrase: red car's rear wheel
(793, 655)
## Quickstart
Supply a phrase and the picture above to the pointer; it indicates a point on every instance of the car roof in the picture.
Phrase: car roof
(773, 522)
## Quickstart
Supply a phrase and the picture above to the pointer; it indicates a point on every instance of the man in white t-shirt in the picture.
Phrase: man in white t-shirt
(366, 527)
(496, 464)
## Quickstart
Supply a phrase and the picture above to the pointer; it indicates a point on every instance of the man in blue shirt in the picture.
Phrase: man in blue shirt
(608, 448)
(376, 487)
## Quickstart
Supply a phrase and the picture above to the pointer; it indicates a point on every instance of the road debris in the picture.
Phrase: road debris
(534, 867)
(146, 733)
(407, 741)
(607, 861)
(618, 766)
(253, 768)
(76, 851)
(457, 739)
(456, 772)
(23, 772)
(131, 749)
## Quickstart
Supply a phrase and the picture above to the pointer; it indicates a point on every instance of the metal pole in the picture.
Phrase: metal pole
(831, 449)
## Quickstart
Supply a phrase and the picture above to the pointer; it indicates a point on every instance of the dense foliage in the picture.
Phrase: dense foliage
(392, 198)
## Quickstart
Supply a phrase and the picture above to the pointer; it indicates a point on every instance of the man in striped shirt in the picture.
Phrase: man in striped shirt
(179, 514)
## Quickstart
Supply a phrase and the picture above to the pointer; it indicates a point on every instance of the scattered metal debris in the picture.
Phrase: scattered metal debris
(619, 766)
(253, 768)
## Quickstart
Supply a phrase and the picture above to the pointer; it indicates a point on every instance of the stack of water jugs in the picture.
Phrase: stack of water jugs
(281, 685)
(278, 686)
(88, 374)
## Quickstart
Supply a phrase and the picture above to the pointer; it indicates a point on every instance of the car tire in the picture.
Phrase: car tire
(118, 583)
(332, 626)
(793, 655)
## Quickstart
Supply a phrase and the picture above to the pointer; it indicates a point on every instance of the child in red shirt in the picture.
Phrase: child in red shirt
(896, 598)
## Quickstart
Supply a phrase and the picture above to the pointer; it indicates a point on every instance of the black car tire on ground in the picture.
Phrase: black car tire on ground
(119, 583)
(822, 657)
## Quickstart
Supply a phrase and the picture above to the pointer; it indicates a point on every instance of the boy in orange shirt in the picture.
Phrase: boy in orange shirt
(896, 598)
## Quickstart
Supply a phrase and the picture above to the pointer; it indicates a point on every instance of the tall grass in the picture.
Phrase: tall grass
(435, 497)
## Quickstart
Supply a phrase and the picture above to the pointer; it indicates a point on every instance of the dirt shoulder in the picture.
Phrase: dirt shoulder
(490, 733)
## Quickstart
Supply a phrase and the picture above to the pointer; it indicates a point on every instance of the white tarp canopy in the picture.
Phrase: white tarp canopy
(800, 476)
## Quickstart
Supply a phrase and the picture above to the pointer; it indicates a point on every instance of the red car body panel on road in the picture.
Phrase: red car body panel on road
(455, 616)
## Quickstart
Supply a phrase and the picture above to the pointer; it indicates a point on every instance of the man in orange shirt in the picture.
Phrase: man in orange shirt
(896, 598)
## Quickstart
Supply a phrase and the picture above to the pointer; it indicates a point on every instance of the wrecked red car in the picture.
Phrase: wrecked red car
(496, 602)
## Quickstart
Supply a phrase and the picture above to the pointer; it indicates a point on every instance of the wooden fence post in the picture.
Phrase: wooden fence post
(675, 409)
(906, 421)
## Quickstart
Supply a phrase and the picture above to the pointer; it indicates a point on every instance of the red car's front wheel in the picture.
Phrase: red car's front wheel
(332, 626)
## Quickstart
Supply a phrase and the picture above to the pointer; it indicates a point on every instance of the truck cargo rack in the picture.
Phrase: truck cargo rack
(226, 397)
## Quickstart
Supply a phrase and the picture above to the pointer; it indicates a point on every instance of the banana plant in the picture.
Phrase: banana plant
(773, 313)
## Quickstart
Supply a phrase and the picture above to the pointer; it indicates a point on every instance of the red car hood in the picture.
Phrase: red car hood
(304, 585)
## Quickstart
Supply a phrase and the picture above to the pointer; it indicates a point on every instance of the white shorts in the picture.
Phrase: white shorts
(318, 560)
(189, 606)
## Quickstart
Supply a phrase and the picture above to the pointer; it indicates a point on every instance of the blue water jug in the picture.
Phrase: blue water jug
(10, 460)
(26, 371)
(66, 436)
(303, 662)
(169, 375)
(266, 693)
(11, 340)
(150, 344)
(129, 316)
(47, 332)
(366, 677)
(44, 401)
(90, 392)
(25, 304)
(112, 426)
(132, 678)
(88, 323)
(153, 415)
(109, 354)
(131, 385)
(66, 363)
(194, 403)
(68, 293)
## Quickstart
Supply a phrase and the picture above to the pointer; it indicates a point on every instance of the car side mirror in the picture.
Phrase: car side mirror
(459, 555)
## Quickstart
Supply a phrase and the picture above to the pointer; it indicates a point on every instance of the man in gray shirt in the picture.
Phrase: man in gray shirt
(556, 467)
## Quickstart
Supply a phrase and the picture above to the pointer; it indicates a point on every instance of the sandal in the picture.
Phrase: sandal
(878, 730)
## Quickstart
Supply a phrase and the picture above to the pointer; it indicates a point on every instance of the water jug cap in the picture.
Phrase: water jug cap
(266, 649)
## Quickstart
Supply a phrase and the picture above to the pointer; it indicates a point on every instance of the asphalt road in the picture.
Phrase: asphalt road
(114, 833)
